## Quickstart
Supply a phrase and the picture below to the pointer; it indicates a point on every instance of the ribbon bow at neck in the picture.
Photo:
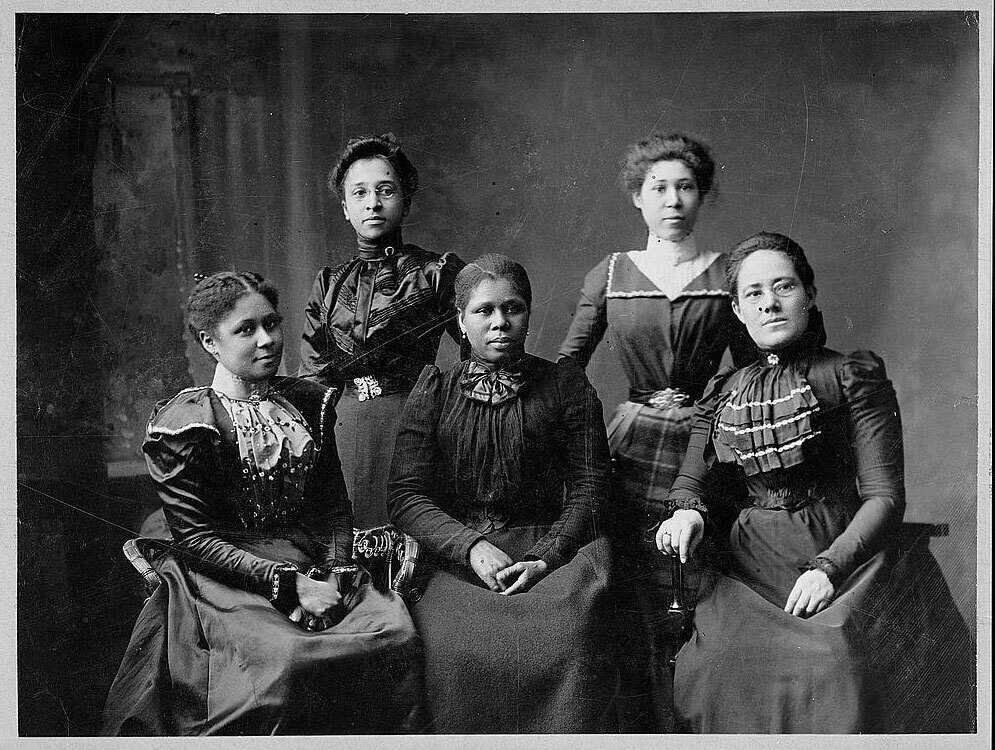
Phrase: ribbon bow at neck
(491, 386)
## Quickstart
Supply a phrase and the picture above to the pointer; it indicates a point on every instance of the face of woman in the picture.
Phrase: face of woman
(771, 300)
(248, 341)
(495, 322)
(373, 202)
(669, 199)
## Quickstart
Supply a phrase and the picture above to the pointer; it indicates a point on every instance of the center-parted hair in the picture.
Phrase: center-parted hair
(372, 146)
(491, 266)
(214, 296)
(769, 241)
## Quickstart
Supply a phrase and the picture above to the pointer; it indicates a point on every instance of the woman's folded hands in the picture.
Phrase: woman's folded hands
(500, 573)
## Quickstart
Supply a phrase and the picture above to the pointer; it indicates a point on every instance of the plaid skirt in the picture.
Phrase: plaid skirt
(648, 445)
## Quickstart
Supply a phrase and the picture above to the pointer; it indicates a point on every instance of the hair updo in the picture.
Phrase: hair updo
(769, 241)
(674, 147)
(491, 266)
(216, 295)
(371, 146)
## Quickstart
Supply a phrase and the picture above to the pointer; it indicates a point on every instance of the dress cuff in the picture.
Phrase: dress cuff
(827, 566)
(688, 502)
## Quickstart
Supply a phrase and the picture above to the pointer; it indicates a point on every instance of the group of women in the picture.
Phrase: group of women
(544, 535)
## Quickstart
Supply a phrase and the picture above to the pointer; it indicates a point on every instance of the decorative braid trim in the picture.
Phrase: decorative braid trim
(658, 293)
(779, 449)
(769, 425)
(184, 428)
(791, 394)
(321, 416)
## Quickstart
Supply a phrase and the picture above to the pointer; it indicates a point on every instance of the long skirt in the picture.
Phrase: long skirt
(209, 659)
(364, 435)
(648, 446)
(533, 662)
(879, 658)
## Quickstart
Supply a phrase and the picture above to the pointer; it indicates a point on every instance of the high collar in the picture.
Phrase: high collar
(674, 253)
(381, 248)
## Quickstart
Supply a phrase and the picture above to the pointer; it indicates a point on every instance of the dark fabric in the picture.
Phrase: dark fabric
(528, 475)
(365, 319)
(193, 460)
(662, 343)
(751, 667)
(364, 434)
(209, 659)
(210, 654)
(540, 458)
(534, 662)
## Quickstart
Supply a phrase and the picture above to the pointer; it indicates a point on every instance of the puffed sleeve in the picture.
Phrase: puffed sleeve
(316, 340)
(328, 511)
(590, 318)
(875, 430)
(586, 461)
(699, 483)
(186, 474)
(414, 476)
(442, 274)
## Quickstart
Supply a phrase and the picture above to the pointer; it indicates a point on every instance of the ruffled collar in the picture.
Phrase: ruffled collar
(769, 415)
(490, 385)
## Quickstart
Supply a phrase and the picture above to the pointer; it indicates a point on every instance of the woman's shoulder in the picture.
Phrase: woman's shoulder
(849, 376)
(413, 257)
(310, 397)
(189, 412)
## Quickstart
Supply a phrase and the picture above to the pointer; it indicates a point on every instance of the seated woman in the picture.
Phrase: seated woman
(807, 628)
(499, 472)
(258, 626)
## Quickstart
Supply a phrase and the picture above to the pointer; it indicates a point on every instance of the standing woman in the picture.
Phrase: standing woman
(373, 322)
(499, 472)
(809, 626)
(262, 624)
(666, 310)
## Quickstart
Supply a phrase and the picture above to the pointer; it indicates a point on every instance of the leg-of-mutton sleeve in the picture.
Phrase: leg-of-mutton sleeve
(442, 275)
(875, 428)
(586, 461)
(415, 476)
(185, 470)
(316, 340)
(328, 512)
(590, 319)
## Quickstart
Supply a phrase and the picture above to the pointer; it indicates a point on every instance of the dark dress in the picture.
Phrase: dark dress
(813, 438)
(669, 349)
(528, 474)
(371, 325)
(210, 654)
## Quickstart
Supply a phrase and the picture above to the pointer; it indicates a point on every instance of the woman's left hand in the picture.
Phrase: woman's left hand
(812, 593)
(524, 574)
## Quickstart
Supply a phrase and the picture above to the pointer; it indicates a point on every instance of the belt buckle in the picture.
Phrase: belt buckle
(367, 388)
(668, 398)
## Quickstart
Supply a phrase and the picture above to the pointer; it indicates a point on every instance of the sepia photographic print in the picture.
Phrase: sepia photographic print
(477, 376)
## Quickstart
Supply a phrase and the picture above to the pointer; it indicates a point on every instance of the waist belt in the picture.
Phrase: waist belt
(668, 398)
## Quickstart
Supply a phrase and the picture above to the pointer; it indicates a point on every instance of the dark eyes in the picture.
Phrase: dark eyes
(270, 322)
(385, 191)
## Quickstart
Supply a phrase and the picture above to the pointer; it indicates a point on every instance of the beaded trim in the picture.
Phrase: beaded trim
(791, 394)
(191, 426)
(779, 449)
(768, 425)
(654, 292)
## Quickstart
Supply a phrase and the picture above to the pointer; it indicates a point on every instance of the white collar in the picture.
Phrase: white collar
(671, 252)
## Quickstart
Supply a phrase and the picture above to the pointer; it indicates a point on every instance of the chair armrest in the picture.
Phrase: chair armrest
(389, 555)
(408, 558)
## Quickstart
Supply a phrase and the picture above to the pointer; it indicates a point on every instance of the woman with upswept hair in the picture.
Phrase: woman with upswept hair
(374, 321)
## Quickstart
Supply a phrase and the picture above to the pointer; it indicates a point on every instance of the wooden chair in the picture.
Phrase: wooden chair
(388, 555)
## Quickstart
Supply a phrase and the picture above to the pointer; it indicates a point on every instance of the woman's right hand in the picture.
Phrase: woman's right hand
(318, 598)
(681, 533)
(487, 561)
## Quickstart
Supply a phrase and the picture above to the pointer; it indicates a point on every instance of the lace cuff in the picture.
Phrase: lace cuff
(828, 567)
(688, 502)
